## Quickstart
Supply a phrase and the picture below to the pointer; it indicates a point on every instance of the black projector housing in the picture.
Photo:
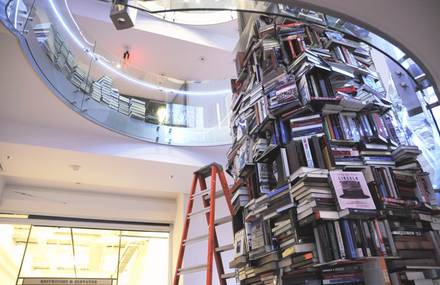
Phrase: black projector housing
(120, 15)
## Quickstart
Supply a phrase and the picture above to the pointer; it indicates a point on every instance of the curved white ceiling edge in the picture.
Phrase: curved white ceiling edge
(104, 63)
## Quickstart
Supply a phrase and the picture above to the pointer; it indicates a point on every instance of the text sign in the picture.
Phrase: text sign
(66, 281)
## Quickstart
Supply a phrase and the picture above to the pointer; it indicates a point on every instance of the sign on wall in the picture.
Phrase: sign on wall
(66, 281)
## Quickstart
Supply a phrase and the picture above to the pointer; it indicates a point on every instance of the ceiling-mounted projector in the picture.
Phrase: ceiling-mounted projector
(123, 17)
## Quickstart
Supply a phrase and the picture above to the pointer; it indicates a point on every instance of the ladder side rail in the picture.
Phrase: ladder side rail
(217, 255)
(211, 226)
(225, 187)
(185, 231)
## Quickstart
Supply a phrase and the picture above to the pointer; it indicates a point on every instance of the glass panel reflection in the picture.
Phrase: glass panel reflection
(12, 245)
(96, 253)
(51, 253)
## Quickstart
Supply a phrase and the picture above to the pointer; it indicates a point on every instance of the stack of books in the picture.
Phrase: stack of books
(79, 78)
(240, 198)
(124, 105)
(106, 88)
(330, 194)
(96, 91)
(137, 109)
(111, 98)
(44, 34)
(314, 198)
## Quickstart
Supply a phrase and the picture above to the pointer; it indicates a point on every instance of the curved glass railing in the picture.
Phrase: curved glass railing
(148, 106)
(120, 97)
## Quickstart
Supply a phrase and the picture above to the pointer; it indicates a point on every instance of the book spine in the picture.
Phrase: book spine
(318, 152)
(348, 239)
(339, 239)
(307, 152)
(318, 245)
(333, 242)
(283, 133)
(370, 239)
(357, 238)
(390, 238)
(326, 246)
(380, 237)
(323, 87)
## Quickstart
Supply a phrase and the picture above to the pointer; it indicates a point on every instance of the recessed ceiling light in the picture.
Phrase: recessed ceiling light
(13, 216)
(202, 59)
(75, 167)
(118, 65)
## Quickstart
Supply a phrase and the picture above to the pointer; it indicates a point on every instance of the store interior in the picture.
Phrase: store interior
(102, 125)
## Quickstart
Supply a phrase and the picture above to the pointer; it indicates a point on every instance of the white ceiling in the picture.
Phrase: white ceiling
(161, 47)
(43, 137)
(49, 167)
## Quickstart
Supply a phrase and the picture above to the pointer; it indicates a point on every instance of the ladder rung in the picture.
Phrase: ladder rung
(205, 194)
(195, 268)
(223, 220)
(201, 193)
(202, 211)
(224, 248)
(218, 194)
(194, 239)
(228, 275)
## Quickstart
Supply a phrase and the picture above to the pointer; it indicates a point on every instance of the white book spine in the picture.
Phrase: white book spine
(340, 240)
(307, 152)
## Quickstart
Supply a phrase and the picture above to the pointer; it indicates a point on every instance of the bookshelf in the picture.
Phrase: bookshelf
(329, 192)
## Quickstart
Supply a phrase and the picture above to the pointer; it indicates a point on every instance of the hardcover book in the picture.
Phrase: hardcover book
(351, 190)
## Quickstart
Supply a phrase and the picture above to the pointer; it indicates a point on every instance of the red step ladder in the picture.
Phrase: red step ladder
(214, 251)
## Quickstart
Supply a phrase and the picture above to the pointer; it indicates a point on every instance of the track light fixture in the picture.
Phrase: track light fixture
(122, 16)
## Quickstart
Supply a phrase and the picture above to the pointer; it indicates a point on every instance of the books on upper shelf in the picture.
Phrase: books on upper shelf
(124, 105)
(137, 109)
(96, 91)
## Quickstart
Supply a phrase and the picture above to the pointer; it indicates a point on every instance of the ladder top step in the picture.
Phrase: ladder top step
(195, 268)
(223, 220)
(224, 248)
(228, 275)
(202, 211)
(195, 239)
(206, 170)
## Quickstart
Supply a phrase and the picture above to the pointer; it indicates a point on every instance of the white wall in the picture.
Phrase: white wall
(2, 186)
(88, 205)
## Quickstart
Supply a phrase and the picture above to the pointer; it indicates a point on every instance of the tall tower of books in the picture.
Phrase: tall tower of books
(329, 193)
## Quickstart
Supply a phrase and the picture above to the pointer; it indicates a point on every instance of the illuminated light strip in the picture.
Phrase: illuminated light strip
(16, 14)
(14, 216)
(100, 59)
(76, 25)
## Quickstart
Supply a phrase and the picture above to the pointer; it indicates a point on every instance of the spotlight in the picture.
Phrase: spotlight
(161, 115)
(122, 16)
